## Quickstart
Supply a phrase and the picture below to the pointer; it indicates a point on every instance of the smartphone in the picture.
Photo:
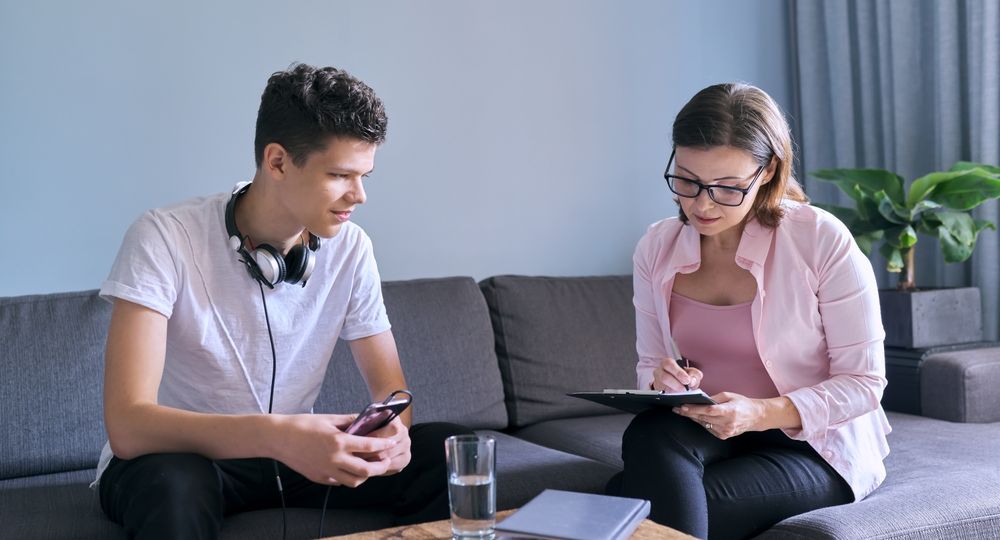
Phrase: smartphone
(378, 415)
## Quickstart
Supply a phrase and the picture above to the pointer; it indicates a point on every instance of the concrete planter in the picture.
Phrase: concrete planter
(931, 317)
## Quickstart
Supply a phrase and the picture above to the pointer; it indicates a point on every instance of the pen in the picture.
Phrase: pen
(678, 356)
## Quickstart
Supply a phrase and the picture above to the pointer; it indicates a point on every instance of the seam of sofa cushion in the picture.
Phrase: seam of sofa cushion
(969, 373)
(500, 346)
(963, 394)
(5, 482)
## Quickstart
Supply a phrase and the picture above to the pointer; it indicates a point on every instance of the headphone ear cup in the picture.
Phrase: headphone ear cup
(298, 264)
(270, 263)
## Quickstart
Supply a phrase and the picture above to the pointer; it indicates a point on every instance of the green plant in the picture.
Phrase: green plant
(938, 204)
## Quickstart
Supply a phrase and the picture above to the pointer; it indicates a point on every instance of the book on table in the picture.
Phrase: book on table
(637, 401)
(567, 515)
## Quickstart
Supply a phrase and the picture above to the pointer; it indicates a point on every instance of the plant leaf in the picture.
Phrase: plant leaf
(982, 224)
(907, 237)
(858, 182)
(871, 218)
(967, 191)
(848, 216)
(917, 211)
(893, 257)
(892, 236)
(923, 187)
(959, 224)
(954, 251)
(930, 221)
(890, 210)
(857, 224)
(967, 165)
(866, 241)
(958, 233)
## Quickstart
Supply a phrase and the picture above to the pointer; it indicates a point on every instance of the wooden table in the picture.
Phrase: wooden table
(441, 530)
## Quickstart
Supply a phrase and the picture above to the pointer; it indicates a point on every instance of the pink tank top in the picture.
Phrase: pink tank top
(718, 340)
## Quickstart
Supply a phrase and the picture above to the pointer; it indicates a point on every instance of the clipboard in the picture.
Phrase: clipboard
(637, 401)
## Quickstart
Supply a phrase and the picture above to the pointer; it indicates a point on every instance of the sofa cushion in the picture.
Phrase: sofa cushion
(442, 329)
(73, 511)
(961, 386)
(525, 469)
(942, 483)
(66, 511)
(596, 437)
(559, 335)
(52, 360)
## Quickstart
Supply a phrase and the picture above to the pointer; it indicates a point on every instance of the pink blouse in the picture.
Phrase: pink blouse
(718, 340)
(816, 325)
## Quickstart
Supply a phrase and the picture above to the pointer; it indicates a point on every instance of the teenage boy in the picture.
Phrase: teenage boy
(228, 307)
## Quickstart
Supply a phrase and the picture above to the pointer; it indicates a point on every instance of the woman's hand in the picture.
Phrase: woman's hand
(733, 414)
(669, 376)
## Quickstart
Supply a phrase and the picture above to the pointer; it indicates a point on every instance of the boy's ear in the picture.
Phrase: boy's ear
(276, 160)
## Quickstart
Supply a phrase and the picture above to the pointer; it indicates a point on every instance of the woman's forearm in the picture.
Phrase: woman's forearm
(778, 413)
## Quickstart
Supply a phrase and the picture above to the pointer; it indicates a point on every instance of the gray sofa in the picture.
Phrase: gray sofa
(497, 356)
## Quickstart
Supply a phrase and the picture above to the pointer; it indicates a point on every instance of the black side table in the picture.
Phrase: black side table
(902, 369)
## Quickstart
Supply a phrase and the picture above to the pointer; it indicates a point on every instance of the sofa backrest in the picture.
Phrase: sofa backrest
(52, 366)
(559, 335)
(445, 341)
(553, 335)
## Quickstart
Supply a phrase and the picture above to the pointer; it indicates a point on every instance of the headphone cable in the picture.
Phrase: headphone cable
(322, 515)
(270, 405)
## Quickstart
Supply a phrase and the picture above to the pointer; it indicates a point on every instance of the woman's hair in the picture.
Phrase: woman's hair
(744, 117)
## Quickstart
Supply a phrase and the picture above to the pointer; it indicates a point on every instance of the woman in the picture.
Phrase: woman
(776, 311)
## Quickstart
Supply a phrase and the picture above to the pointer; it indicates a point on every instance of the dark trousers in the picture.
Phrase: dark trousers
(718, 489)
(188, 495)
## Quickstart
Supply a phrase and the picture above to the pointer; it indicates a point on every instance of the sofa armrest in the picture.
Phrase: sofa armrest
(961, 386)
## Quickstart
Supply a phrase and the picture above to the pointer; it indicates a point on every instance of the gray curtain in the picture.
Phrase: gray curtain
(908, 86)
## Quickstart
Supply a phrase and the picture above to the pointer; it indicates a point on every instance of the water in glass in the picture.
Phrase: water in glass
(473, 505)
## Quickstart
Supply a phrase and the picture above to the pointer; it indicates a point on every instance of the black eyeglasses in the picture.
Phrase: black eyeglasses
(724, 195)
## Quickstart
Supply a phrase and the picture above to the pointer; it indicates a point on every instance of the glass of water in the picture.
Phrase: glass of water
(472, 492)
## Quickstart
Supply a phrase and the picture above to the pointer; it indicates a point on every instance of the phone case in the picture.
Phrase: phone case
(376, 416)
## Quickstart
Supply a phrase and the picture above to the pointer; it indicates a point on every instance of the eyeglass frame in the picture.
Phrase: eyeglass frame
(708, 187)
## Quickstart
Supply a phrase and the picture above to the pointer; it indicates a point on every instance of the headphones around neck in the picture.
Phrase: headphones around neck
(265, 263)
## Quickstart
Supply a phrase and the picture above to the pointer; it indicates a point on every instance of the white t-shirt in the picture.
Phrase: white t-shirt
(177, 261)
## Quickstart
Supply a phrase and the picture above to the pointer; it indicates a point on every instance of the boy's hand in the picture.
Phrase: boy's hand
(315, 446)
(398, 455)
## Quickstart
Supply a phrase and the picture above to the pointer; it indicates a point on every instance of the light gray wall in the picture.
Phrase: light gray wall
(525, 136)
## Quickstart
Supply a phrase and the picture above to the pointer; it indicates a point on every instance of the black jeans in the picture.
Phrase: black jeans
(188, 495)
(718, 489)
